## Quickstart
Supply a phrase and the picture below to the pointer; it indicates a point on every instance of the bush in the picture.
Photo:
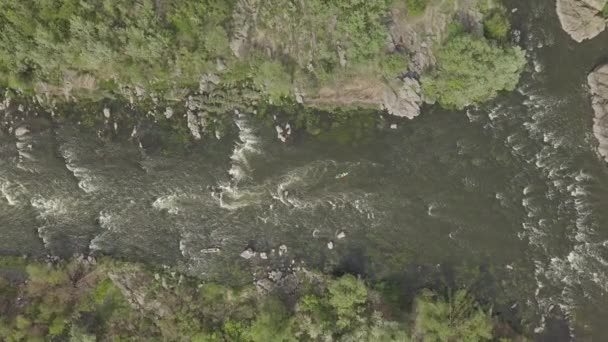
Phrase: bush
(416, 7)
(273, 323)
(471, 70)
(346, 296)
(496, 25)
(458, 318)
(392, 65)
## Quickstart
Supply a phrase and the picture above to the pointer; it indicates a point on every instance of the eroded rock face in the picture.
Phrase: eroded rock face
(582, 19)
(598, 83)
(244, 19)
(405, 101)
(401, 98)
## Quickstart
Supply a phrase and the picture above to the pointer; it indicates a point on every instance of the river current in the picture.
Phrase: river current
(513, 188)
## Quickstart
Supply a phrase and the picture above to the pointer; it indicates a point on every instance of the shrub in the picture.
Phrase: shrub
(346, 296)
(392, 65)
(496, 25)
(416, 7)
(458, 318)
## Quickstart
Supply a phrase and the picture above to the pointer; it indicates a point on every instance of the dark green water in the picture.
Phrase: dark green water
(507, 198)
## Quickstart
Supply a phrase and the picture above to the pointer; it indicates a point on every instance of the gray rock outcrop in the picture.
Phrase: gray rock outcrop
(598, 83)
(405, 101)
(244, 18)
(582, 19)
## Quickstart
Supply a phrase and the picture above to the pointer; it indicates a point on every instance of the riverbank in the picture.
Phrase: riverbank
(85, 299)
(382, 55)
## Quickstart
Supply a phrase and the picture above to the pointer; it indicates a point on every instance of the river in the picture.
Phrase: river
(506, 198)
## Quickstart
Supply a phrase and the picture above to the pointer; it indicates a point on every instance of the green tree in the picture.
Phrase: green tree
(273, 323)
(416, 7)
(471, 70)
(496, 25)
(393, 64)
(459, 318)
(274, 79)
(347, 295)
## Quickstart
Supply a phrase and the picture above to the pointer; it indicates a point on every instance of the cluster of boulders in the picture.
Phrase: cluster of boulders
(586, 19)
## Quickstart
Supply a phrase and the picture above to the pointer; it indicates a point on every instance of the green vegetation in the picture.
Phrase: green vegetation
(605, 10)
(416, 7)
(114, 301)
(91, 45)
(103, 43)
(496, 25)
(471, 70)
(456, 319)
(158, 54)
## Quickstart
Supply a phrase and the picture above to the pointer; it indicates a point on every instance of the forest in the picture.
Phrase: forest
(107, 300)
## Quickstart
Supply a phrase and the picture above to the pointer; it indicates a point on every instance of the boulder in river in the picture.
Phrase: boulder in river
(248, 254)
(582, 19)
(598, 84)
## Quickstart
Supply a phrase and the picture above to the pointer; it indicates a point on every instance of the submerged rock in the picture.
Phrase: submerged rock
(582, 19)
(247, 254)
(168, 112)
(193, 125)
(598, 83)
(21, 131)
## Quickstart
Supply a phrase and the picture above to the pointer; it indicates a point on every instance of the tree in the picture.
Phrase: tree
(346, 296)
(471, 70)
(459, 318)
(496, 25)
(416, 7)
(273, 323)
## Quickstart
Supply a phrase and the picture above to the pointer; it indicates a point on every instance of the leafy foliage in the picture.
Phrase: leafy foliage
(416, 7)
(471, 70)
(126, 42)
(393, 65)
(496, 25)
(458, 318)
(112, 301)
(346, 295)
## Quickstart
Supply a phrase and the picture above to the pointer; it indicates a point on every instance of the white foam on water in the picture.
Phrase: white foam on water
(570, 272)
(232, 195)
(106, 222)
(49, 208)
(86, 181)
(249, 144)
(44, 235)
(11, 192)
(168, 203)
